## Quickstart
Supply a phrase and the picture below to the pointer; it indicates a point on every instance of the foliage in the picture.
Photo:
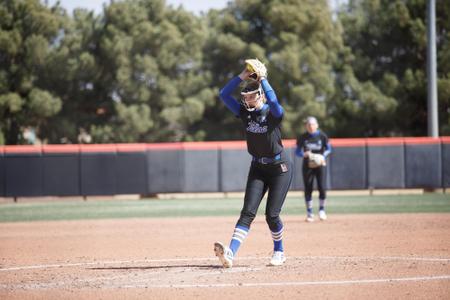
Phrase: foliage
(133, 73)
(27, 33)
(309, 65)
(143, 71)
(389, 42)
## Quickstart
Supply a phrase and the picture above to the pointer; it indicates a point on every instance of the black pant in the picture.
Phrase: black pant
(308, 179)
(276, 178)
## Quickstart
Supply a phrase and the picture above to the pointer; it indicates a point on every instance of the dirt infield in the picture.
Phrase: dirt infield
(398, 256)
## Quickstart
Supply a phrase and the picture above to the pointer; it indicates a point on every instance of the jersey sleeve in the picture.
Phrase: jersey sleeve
(275, 108)
(227, 99)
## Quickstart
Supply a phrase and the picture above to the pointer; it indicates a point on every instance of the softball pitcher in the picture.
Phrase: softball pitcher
(314, 147)
(270, 170)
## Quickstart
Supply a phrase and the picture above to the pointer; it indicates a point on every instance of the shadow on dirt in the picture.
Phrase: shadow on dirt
(204, 267)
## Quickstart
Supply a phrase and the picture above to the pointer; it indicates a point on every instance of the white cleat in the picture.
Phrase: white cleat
(224, 254)
(309, 218)
(322, 215)
(278, 258)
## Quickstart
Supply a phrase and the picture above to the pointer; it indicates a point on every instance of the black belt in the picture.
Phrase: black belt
(267, 160)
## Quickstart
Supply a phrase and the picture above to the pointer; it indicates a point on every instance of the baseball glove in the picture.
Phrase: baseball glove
(316, 160)
(257, 68)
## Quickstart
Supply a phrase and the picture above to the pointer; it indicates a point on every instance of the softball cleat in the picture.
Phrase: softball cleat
(224, 254)
(322, 215)
(309, 218)
(278, 258)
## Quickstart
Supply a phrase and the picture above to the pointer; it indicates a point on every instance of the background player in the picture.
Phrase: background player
(314, 142)
(270, 170)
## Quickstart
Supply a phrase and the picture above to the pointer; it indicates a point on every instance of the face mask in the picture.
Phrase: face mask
(252, 100)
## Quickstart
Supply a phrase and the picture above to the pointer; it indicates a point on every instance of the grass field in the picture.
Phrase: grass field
(151, 208)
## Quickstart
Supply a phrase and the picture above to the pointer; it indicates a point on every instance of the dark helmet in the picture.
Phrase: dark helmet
(251, 87)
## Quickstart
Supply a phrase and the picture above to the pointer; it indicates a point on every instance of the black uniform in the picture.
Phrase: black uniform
(270, 169)
(316, 143)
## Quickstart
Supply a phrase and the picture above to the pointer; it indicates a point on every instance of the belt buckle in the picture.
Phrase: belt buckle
(263, 160)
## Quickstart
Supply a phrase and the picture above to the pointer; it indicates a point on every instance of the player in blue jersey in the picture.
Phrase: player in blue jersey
(314, 144)
(270, 170)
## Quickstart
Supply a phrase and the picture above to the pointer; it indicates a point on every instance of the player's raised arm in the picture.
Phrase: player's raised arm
(227, 90)
(275, 108)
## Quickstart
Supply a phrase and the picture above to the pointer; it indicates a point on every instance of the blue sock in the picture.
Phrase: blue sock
(239, 235)
(277, 237)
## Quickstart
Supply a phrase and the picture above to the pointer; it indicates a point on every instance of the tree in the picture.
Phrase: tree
(28, 29)
(389, 43)
(309, 66)
(134, 74)
(143, 71)
(153, 85)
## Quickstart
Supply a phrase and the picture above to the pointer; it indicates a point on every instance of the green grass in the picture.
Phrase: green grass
(151, 208)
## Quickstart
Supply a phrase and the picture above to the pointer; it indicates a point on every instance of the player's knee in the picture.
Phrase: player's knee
(273, 222)
(246, 218)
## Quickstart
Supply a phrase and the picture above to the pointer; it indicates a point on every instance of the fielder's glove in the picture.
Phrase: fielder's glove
(257, 68)
(316, 160)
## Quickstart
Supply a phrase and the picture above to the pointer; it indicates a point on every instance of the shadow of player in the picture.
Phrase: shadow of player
(203, 267)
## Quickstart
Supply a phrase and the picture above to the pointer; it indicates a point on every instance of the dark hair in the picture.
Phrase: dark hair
(251, 86)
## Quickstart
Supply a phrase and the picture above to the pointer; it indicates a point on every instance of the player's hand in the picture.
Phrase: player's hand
(245, 74)
(307, 154)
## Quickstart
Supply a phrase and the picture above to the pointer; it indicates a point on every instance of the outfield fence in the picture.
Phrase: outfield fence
(112, 169)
